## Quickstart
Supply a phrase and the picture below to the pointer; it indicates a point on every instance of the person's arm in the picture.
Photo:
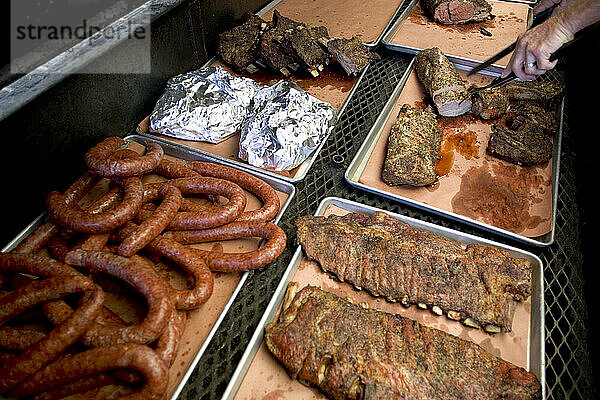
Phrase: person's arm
(534, 47)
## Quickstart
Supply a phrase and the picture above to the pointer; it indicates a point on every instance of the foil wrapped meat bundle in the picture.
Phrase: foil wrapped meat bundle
(285, 125)
(413, 148)
(479, 285)
(208, 105)
(353, 352)
(442, 82)
(450, 12)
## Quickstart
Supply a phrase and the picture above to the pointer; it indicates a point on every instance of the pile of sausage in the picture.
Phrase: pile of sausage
(88, 346)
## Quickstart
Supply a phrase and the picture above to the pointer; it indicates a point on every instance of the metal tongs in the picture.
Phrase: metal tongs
(538, 19)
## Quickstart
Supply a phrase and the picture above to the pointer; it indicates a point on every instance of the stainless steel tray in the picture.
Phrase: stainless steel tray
(302, 169)
(188, 155)
(462, 62)
(305, 166)
(359, 162)
(535, 348)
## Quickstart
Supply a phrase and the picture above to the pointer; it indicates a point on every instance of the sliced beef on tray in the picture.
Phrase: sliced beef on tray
(442, 82)
(388, 258)
(522, 112)
(528, 145)
(546, 94)
(413, 148)
(351, 54)
(352, 352)
(450, 12)
(490, 103)
(237, 46)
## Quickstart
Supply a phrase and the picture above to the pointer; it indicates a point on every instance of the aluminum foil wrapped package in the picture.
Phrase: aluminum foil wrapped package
(284, 126)
(208, 105)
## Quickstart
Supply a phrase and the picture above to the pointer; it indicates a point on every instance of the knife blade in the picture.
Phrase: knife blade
(538, 19)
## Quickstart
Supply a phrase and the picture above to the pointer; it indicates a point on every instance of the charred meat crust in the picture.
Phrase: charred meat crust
(522, 112)
(351, 352)
(284, 45)
(413, 148)
(442, 82)
(490, 103)
(450, 12)
(391, 259)
(528, 145)
(237, 46)
(546, 94)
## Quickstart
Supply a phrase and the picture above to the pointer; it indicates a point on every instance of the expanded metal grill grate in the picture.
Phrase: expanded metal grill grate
(568, 368)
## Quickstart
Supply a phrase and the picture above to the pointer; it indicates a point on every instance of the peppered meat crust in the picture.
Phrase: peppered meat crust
(350, 352)
(391, 259)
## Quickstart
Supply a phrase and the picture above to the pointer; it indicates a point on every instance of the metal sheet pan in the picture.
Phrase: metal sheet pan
(298, 173)
(535, 346)
(185, 154)
(359, 162)
(349, 6)
(461, 56)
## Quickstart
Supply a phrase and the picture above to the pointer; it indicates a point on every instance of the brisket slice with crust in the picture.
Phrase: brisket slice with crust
(442, 82)
(413, 148)
(528, 145)
(450, 12)
(522, 112)
(391, 259)
(546, 94)
(490, 103)
(351, 54)
(350, 352)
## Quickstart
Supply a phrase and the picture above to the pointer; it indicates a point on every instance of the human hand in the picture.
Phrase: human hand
(534, 47)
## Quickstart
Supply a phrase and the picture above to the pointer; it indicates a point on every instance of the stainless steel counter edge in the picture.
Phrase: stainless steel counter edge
(25, 89)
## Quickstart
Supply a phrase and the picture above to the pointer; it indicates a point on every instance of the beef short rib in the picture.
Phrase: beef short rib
(546, 94)
(442, 82)
(528, 145)
(352, 352)
(237, 46)
(413, 148)
(450, 12)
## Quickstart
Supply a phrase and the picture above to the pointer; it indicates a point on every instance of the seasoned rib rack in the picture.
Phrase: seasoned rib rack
(351, 352)
(479, 285)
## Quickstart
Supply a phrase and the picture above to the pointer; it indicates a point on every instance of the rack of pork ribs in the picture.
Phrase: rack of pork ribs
(58, 275)
(284, 46)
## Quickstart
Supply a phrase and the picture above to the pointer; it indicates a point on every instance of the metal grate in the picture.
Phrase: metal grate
(568, 368)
